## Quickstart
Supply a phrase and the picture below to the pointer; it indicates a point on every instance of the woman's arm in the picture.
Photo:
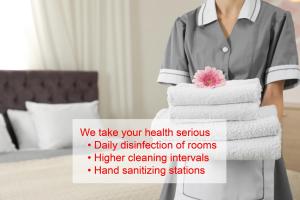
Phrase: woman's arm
(274, 96)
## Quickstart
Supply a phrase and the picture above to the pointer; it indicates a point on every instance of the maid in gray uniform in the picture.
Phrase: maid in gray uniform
(260, 43)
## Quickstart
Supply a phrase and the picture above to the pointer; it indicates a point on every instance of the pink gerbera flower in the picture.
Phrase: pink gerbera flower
(210, 77)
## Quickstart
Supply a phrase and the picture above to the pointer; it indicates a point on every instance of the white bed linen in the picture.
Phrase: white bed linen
(53, 122)
(24, 129)
(6, 144)
(51, 179)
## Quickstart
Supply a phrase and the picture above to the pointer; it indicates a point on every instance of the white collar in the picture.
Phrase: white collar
(208, 13)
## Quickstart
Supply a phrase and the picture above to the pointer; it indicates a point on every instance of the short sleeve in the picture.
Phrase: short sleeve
(174, 68)
(283, 64)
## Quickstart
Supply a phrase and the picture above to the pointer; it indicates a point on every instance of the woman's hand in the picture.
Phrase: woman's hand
(274, 96)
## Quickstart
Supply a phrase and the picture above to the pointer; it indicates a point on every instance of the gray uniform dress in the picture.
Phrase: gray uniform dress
(262, 44)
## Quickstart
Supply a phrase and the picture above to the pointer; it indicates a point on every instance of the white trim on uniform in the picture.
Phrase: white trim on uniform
(250, 10)
(208, 14)
(174, 71)
(173, 76)
(256, 10)
(282, 72)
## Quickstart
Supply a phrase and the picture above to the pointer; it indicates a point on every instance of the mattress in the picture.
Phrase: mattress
(31, 175)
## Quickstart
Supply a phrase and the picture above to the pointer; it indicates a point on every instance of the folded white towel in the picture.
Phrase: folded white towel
(263, 148)
(267, 124)
(261, 127)
(261, 143)
(235, 91)
(241, 111)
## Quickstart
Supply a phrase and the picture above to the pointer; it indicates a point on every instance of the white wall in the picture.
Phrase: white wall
(152, 21)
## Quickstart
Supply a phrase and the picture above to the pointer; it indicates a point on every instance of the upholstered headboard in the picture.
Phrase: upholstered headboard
(17, 87)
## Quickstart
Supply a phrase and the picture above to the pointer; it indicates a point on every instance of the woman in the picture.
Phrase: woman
(245, 39)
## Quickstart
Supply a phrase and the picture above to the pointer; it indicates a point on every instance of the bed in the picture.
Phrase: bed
(47, 174)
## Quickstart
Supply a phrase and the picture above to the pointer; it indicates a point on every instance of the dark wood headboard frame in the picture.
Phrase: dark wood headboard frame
(17, 87)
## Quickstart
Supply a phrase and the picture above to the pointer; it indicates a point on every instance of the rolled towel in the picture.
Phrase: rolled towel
(267, 124)
(241, 111)
(235, 91)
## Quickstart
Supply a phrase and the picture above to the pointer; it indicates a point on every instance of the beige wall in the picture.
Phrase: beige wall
(292, 97)
(152, 21)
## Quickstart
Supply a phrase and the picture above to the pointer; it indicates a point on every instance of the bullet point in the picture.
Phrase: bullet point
(89, 157)
(89, 144)
(89, 170)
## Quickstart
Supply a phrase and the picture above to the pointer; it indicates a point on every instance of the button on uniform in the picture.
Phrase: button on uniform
(225, 49)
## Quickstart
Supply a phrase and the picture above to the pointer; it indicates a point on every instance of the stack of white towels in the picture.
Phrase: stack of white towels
(253, 132)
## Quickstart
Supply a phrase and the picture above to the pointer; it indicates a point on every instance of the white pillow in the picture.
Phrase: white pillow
(6, 144)
(24, 129)
(53, 122)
